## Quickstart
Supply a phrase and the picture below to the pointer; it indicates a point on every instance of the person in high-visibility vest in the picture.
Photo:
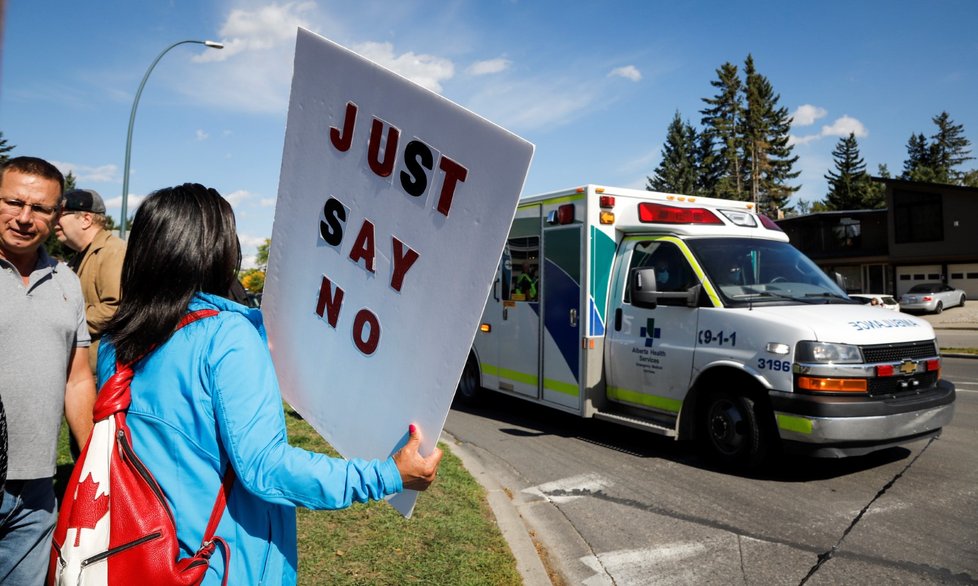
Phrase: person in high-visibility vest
(527, 283)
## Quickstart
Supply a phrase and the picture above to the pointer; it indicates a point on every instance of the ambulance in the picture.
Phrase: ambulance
(694, 318)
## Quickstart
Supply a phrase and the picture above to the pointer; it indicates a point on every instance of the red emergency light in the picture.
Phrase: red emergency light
(769, 223)
(657, 213)
(606, 202)
(565, 214)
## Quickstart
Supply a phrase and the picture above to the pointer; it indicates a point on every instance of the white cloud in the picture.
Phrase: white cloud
(426, 70)
(250, 241)
(844, 127)
(254, 70)
(807, 114)
(201, 135)
(840, 127)
(267, 202)
(236, 197)
(89, 174)
(132, 202)
(259, 30)
(628, 72)
(489, 66)
(531, 104)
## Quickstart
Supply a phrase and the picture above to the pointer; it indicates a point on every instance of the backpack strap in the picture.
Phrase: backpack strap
(216, 513)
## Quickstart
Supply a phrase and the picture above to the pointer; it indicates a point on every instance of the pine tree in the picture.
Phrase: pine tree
(849, 186)
(876, 194)
(948, 149)
(676, 172)
(710, 166)
(721, 122)
(766, 129)
(4, 149)
(918, 166)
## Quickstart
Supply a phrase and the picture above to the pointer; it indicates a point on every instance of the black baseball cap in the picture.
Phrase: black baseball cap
(84, 200)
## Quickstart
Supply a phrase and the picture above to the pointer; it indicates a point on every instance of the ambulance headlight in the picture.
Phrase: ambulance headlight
(825, 352)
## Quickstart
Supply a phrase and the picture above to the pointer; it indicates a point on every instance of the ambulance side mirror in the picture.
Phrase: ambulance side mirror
(641, 287)
(642, 291)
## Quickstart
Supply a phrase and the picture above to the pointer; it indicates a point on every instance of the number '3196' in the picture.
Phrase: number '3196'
(779, 365)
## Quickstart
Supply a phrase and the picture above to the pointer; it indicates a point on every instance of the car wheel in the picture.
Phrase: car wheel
(939, 308)
(469, 389)
(732, 432)
(963, 297)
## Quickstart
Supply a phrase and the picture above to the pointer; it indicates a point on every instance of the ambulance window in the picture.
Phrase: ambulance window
(672, 271)
(525, 273)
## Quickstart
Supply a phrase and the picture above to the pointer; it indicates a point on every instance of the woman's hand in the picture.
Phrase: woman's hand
(417, 473)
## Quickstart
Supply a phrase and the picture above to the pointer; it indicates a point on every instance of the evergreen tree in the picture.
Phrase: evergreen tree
(876, 193)
(970, 178)
(948, 149)
(721, 123)
(710, 166)
(677, 172)
(765, 130)
(918, 166)
(4, 149)
(849, 184)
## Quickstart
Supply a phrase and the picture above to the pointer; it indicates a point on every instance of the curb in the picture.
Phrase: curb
(510, 522)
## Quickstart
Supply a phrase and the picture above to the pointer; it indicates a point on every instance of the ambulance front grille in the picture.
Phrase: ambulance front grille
(900, 385)
(899, 352)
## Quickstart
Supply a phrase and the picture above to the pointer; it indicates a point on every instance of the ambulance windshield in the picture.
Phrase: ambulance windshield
(748, 270)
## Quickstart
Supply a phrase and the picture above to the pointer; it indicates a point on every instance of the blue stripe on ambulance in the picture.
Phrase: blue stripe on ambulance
(562, 295)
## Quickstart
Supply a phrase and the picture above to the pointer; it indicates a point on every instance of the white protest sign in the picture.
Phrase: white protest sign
(393, 207)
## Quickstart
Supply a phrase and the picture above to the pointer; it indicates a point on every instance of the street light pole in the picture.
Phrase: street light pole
(132, 120)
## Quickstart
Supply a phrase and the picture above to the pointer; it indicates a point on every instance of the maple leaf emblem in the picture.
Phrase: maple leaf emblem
(87, 509)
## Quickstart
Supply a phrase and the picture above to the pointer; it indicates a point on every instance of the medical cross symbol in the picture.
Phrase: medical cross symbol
(649, 332)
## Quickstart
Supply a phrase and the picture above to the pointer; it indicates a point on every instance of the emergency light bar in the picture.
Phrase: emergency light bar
(657, 213)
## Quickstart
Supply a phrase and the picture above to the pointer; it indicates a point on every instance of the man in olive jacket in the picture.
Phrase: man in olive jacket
(97, 260)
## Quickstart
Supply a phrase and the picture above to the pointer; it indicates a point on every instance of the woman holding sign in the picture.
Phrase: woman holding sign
(205, 397)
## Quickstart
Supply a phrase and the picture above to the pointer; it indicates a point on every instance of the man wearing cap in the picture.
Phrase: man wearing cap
(97, 260)
(44, 373)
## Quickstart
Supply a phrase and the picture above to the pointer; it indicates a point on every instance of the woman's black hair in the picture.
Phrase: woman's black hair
(183, 241)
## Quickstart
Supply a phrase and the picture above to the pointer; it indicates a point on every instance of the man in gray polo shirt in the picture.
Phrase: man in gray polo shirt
(44, 369)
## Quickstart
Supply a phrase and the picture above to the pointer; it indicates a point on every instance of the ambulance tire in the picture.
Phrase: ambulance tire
(732, 431)
(469, 390)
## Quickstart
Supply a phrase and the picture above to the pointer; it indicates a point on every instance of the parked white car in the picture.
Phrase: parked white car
(878, 299)
(931, 298)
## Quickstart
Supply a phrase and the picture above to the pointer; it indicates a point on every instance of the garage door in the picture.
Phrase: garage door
(964, 277)
(907, 277)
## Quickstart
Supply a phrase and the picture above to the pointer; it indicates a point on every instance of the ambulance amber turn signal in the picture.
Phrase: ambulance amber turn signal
(832, 385)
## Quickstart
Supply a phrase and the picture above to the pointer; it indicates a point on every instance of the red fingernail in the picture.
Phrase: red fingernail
(412, 429)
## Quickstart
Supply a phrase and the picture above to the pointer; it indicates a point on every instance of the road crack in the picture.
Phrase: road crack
(826, 556)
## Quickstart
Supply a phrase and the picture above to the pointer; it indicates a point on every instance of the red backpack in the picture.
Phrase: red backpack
(114, 526)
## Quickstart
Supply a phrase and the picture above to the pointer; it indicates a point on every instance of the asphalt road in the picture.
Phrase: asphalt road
(611, 505)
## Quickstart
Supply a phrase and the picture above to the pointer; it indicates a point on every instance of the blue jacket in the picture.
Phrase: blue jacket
(209, 396)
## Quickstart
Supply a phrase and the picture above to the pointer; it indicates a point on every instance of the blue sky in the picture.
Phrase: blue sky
(593, 84)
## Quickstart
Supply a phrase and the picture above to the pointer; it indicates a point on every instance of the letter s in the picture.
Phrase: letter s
(417, 157)
(332, 228)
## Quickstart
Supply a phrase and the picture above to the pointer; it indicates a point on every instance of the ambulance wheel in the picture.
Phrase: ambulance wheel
(732, 431)
(469, 389)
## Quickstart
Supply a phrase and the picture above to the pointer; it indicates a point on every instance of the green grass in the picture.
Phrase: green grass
(959, 350)
(451, 538)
